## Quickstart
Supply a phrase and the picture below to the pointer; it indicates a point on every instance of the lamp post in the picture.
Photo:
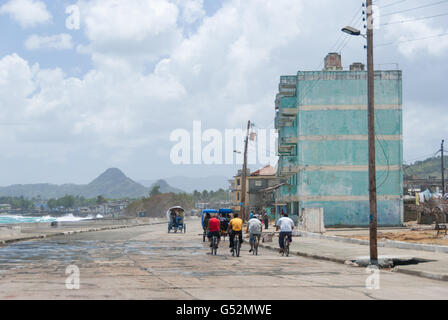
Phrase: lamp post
(371, 130)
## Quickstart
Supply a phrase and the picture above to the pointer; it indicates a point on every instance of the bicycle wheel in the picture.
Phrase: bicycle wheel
(237, 247)
(255, 252)
(213, 246)
(286, 245)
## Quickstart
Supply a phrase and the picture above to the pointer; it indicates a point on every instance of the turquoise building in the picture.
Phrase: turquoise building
(321, 118)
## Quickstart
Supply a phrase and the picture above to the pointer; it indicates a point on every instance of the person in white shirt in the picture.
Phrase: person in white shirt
(255, 228)
(286, 225)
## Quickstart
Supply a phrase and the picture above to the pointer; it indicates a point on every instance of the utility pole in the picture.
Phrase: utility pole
(443, 170)
(371, 134)
(244, 174)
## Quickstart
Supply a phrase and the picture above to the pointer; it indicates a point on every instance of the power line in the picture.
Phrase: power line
(411, 9)
(424, 157)
(411, 40)
(416, 19)
(391, 4)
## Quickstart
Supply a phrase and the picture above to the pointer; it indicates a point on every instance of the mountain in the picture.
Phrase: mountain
(426, 168)
(114, 184)
(165, 187)
(189, 184)
(111, 184)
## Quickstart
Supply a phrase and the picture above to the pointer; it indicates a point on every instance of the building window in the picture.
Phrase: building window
(238, 182)
(258, 183)
(238, 196)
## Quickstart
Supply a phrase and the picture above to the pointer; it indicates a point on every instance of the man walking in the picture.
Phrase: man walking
(286, 225)
(265, 220)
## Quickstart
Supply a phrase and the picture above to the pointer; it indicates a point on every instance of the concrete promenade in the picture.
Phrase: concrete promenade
(434, 265)
(145, 262)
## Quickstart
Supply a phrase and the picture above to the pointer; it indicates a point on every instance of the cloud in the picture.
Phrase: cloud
(28, 13)
(61, 41)
(405, 33)
(422, 140)
(137, 31)
(192, 10)
(120, 107)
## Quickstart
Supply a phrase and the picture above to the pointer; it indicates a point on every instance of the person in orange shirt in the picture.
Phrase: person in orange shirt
(236, 228)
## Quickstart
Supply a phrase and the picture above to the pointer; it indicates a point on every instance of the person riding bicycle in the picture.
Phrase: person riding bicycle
(236, 228)
(286, 225)
(213, 228)
(255, 228)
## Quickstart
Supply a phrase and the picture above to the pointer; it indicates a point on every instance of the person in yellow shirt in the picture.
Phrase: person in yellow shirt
(236, 228)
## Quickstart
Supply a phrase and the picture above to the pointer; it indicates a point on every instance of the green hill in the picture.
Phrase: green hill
(427, 168)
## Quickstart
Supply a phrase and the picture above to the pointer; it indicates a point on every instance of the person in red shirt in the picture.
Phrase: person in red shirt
(213, 229)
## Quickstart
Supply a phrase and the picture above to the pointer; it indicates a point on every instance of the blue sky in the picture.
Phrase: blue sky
(136, 70)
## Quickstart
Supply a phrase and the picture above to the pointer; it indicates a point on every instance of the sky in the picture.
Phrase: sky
(78, 99)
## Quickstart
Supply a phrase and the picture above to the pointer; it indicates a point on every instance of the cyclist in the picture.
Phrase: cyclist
(255, 228)
(236, 228)
(213, 228)
(286, 225)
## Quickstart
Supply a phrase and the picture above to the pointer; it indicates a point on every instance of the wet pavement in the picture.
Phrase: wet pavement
(146, 262)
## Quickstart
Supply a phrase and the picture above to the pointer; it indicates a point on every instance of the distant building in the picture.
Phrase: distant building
(5, 207)
(321, 118)
(256, 183)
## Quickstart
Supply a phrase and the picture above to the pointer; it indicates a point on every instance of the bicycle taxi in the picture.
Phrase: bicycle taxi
(206, 214)
(225, 215)
(176, 217)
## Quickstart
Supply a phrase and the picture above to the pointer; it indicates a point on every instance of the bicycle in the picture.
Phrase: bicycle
(285, 246)
(255, 250)
(236, 246)
(214, 247)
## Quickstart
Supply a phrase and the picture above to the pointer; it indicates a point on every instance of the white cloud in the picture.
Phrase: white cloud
(420, 139)
(61, 41)
(28, 13)
(405, 33)
(192, 10)
(133, 30)
(215, 75)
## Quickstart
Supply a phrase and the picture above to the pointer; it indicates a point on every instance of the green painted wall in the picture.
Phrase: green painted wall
(345, 88)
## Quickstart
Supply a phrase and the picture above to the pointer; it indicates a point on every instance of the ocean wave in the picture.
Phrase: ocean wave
(8, 219)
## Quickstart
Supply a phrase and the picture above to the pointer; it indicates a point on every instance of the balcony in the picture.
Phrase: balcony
(287, 86)
(287, 140)
(288, 81)
(287, 166)
(288, 106)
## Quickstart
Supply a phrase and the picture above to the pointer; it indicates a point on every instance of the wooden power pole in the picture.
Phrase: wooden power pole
(371, 133)
(244, 176)
(443, 169)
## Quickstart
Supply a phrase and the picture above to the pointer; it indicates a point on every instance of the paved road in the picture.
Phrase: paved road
(147, 263)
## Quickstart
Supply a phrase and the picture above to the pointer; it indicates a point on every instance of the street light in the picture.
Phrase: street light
(371, 130)
(351, 31)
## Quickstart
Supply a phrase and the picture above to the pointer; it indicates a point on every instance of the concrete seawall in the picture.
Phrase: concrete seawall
(28, 231)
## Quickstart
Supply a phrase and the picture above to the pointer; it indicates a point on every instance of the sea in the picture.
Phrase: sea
(9, 218)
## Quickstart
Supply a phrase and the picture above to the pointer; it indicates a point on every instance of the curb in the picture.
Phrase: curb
(421, 274)
(384, 244)
(65, 233)
(307, 255)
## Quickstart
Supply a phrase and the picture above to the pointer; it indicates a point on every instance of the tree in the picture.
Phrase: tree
(155, 191)
(100, 200)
